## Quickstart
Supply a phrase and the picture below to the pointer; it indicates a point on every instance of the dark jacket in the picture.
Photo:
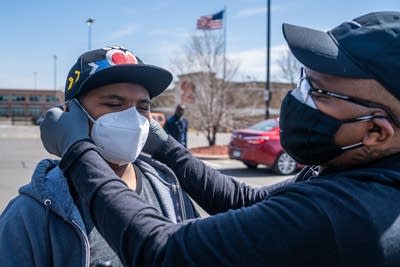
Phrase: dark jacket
(43, 227)
(177, 128)
(339, 218)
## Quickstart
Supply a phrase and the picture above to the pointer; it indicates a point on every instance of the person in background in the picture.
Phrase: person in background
(177, 125)
(342, 120)
(48, 224)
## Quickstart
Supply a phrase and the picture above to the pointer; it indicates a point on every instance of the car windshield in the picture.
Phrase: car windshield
(264, 126)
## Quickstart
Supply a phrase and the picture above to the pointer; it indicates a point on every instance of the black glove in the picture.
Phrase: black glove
(59, 129)
(157, 137)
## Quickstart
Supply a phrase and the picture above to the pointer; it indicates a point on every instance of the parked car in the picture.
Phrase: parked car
(260, 144)
(159, 117)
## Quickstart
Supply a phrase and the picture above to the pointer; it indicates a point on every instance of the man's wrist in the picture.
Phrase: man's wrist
(75, 151)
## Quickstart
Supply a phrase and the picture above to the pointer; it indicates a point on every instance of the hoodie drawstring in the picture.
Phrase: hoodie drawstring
(47, 203)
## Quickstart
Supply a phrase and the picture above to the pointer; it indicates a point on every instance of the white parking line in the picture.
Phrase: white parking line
(223, 163)
(212, 164)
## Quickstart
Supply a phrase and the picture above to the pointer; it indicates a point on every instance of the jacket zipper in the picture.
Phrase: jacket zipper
(181, 206)
(47, 203)
(86, 241)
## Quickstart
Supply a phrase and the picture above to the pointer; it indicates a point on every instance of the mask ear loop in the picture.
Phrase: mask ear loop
(62, 105)
(362, 118)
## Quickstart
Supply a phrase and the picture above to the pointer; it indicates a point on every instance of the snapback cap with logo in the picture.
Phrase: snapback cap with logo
(114, 64)
(366, 47)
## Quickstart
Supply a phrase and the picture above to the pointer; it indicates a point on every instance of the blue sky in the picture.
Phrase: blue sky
(32, 32)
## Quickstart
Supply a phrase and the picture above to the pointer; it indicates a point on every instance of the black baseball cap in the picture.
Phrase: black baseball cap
(366, 47)
(114, 64)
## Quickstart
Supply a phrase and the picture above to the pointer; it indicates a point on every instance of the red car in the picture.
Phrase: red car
(260, 144)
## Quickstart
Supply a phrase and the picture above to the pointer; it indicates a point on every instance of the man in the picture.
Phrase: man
(48, 224)
(177, 125)
(344, 116)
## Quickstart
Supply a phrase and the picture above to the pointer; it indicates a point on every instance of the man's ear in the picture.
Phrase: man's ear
(380, 132)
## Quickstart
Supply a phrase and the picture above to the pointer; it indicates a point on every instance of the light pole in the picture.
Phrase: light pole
(89, 22)
(267, 93)
(55, 73)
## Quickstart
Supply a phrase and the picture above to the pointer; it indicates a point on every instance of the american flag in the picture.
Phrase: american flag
(210, 22)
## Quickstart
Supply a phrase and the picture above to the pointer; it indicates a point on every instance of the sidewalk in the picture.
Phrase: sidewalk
(199, 143)
(215, 152)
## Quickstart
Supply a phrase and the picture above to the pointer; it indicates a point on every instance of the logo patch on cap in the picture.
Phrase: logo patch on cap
(117, 56)
(114, 56)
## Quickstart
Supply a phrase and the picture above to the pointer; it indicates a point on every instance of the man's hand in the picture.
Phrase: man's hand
(59, 129)
(157, 137)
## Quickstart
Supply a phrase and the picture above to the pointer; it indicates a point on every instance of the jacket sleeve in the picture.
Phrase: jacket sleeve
(213, 191)
(285, 230)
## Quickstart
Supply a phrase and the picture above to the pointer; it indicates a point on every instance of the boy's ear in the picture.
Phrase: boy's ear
(380, 132)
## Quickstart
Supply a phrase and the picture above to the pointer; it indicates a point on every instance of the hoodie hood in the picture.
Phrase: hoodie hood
(49, 183)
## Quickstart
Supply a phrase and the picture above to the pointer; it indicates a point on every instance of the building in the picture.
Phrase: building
(244, 101)
(27, 105)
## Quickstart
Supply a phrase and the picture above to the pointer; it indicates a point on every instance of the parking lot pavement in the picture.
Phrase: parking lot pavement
(196, 139)
(21, 149)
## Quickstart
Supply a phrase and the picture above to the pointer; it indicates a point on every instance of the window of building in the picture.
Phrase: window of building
(3, 98)
(3, 111)
(34, 112)
(35, 98)
(18, 111)
(51, 98)
(18, 98)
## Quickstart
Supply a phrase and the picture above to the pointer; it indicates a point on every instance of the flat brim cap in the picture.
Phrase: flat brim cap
(317, 50)
(154, 79)
(114, 64)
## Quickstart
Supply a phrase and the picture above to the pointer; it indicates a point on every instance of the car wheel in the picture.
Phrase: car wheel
(284, 164)
(250, 165)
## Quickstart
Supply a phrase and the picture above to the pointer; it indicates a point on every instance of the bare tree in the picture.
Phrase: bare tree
(202, 65)
(290, 67)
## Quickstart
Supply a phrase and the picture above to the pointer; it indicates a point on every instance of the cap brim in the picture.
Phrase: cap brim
(154, 79)
(317, 50)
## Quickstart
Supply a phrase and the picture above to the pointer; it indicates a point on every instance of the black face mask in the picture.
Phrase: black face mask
(307, 134)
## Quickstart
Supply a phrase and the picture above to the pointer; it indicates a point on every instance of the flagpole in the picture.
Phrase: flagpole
(224, 22)
(267, 93)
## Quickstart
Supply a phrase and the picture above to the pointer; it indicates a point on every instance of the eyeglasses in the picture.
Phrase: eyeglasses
(308, 90)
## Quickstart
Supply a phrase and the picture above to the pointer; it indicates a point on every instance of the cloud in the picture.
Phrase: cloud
(253, 63)
(252, 11)
(248, 12)
(161, 53)
(124, 31)
(176, 32)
